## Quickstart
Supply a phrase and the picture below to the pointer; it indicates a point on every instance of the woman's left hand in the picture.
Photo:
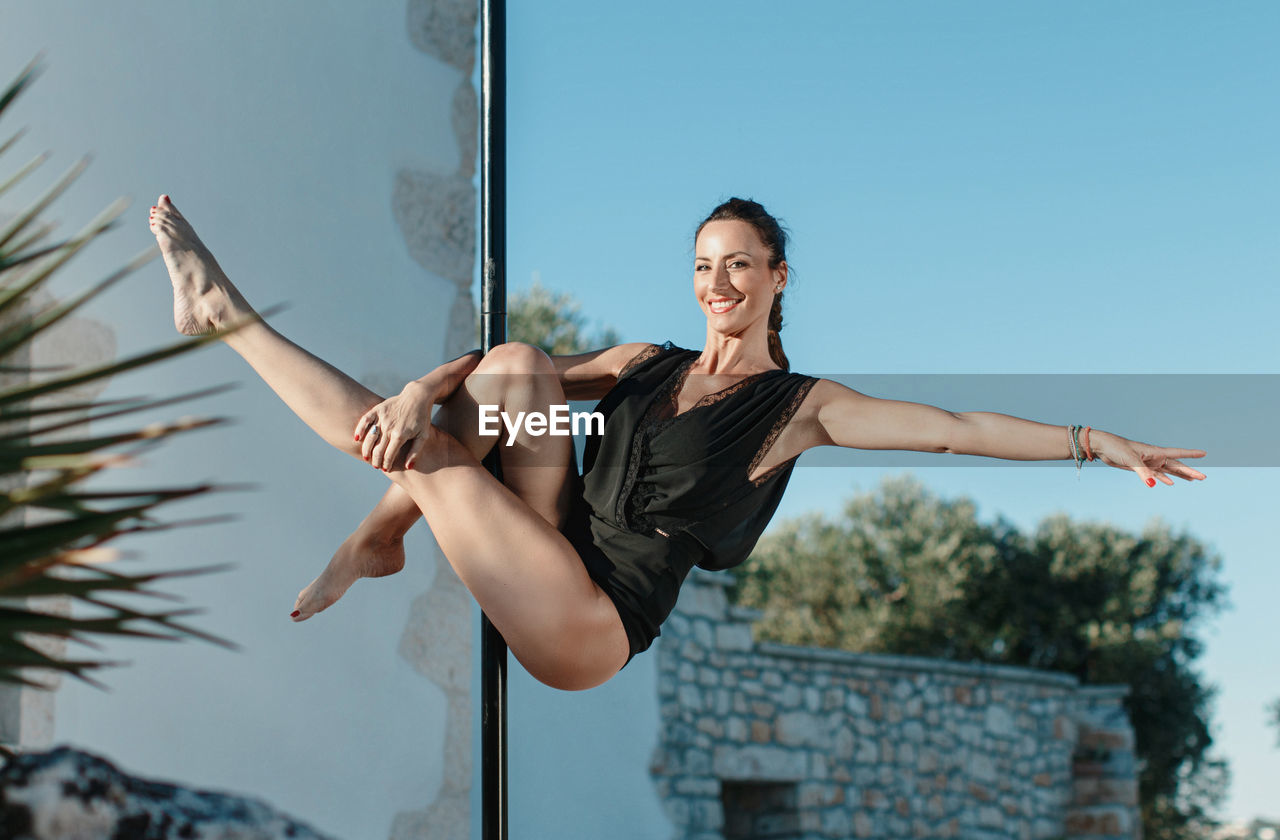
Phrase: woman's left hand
(1149, 462)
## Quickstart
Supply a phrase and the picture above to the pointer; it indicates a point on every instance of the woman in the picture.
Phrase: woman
(578, 572)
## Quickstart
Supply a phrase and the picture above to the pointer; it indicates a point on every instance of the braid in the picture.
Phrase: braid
(775, 340)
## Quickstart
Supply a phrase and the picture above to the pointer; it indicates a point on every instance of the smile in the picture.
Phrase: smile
(720, 307)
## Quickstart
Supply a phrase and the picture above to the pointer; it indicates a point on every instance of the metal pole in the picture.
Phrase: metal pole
(493, 331)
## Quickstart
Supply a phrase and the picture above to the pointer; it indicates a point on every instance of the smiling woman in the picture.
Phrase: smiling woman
(578, 572)
(759, 260)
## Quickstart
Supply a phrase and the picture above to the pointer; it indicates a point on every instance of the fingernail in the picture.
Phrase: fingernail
(357, 437)
(295, 613)
(1151, 482)
(409, 465)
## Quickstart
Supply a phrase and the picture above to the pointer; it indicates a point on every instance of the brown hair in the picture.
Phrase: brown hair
(774, 237)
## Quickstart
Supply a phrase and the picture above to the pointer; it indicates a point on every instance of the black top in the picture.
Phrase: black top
(664, 492)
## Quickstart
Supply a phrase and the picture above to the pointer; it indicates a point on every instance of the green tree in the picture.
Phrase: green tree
(54, 530)
(903, 571)
(554, 322)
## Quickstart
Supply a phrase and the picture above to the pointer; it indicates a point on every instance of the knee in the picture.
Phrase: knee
(516, 357)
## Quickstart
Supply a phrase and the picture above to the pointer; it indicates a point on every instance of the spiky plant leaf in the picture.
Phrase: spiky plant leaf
(54, 531)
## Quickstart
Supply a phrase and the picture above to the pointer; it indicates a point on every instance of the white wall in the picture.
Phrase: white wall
(279, 128)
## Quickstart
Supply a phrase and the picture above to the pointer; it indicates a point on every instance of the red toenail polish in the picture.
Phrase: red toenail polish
(295, 613)
(1151, 482)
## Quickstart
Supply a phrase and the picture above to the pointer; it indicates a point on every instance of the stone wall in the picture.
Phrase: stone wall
(763, 740)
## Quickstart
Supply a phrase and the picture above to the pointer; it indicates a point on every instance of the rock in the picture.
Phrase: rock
(66, 794)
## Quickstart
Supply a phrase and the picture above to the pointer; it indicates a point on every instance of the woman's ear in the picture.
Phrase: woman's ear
(780, 276)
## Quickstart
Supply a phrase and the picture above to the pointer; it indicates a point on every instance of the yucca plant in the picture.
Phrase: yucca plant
(54, 528)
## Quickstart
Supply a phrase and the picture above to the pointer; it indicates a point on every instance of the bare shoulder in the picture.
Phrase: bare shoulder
(826, 393)
(827, 399)
(590, 375)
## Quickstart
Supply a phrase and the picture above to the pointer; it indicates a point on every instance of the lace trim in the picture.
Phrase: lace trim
(628, 511)
(640, 358)
(783, 419)
(707, 399)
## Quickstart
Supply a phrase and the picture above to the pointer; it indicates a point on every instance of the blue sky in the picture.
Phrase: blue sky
(977, 188)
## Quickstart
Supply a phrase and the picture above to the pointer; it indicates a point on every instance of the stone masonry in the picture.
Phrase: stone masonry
(763, 740)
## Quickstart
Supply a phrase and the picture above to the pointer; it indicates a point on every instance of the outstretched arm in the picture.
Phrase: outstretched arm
(845, 417)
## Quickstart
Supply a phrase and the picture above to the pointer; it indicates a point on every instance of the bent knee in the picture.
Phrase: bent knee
(516, 357)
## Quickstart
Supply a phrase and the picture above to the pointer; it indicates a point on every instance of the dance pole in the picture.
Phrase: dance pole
(493, 331)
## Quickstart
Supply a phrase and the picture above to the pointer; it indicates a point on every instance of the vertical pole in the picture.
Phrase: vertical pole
(493, 330)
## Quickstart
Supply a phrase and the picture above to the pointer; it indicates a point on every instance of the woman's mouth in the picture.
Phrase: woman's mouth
(719, 307)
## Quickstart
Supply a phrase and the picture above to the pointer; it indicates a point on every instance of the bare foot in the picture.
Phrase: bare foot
(203, 298)
(357, 557)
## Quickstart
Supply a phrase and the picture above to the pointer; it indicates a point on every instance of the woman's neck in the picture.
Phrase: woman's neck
(734, 354)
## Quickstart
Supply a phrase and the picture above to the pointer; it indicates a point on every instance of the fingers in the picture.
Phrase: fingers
(416, 447)
(388, 448)
(365, 427)
(381, 446)
(366, 420)
(375, 436)
(1161, 472)
(1182, 470)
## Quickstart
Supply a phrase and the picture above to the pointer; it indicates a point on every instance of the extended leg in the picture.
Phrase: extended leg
(521, 570)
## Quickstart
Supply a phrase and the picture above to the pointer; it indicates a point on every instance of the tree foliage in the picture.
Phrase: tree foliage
(554, 322)
(903, 571)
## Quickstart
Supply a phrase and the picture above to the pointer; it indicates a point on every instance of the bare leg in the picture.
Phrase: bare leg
(538, 470)
(374, 549)
(524, 574)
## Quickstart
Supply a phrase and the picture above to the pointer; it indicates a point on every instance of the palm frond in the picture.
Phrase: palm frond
(54, 530)
(69, 249)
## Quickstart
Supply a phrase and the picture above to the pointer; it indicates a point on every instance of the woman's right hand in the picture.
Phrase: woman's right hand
(399, 426)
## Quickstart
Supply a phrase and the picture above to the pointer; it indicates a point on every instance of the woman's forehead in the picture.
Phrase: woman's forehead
(725, 236)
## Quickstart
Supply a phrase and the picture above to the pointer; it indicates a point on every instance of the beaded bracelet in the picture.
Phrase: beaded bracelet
(1088, 453)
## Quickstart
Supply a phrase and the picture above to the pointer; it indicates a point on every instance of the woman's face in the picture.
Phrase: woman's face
(732, 278)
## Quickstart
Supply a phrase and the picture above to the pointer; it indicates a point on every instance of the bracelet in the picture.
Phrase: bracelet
(1074, 442)
(1088, 453)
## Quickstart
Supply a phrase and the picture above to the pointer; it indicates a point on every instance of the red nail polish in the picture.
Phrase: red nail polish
(295, 613)
(357, 437)
(1151, 482)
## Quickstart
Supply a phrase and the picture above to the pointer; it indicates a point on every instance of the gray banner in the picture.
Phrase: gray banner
(1230, 416)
